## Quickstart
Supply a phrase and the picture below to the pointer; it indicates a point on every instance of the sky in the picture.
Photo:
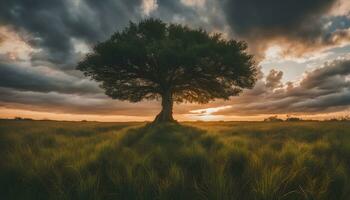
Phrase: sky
(302, 50)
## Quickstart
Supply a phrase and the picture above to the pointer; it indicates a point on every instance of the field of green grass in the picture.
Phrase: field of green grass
(202, 160)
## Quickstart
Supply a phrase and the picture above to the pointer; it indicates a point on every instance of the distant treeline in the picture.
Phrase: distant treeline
(275, 118)
(21, 118)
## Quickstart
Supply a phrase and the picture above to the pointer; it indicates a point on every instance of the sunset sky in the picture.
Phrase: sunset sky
(302, 49)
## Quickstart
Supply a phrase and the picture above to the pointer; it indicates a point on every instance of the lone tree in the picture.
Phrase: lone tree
(152, 60)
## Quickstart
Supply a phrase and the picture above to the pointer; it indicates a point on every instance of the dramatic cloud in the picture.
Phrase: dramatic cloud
(322, 90)
(44, 80)
(300, 25)
(148, 6)
(41, 42)
(273, 79)
(53, 24)
(73, 104)
(274, 17)
(332, 76)
(194, 3)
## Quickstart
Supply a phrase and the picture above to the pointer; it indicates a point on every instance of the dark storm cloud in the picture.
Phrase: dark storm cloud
(205, 14)
(275, 17)
(330, 77)
(53, 23)
(331, 102)
(337, 22)
(44, 80)
(73, 104)
(170, 8)
(324, 89)
(52, 26)
(273, 79)
(111, 15)
(302, 24)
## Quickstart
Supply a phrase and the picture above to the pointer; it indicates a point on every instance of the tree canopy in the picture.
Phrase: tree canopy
(153, 60)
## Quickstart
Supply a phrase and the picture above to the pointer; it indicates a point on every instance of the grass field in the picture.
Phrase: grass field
(212, 160)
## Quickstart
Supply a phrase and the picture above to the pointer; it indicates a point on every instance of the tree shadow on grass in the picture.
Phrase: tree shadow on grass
(168, 136)
(157, 162)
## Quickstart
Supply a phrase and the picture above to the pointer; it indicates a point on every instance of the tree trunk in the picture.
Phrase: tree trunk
(166, 115)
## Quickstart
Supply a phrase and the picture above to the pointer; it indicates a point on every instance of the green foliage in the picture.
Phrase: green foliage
(153, 59)
(221, 160)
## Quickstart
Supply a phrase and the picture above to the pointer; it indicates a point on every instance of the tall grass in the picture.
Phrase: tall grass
(221, 160)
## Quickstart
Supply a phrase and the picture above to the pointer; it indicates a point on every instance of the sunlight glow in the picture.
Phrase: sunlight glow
(207, 114)
(193, 3)
(149, 6)
(273, 53)
(208, 111)
(13, 46)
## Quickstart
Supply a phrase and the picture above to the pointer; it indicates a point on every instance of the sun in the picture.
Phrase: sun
(208, 114)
